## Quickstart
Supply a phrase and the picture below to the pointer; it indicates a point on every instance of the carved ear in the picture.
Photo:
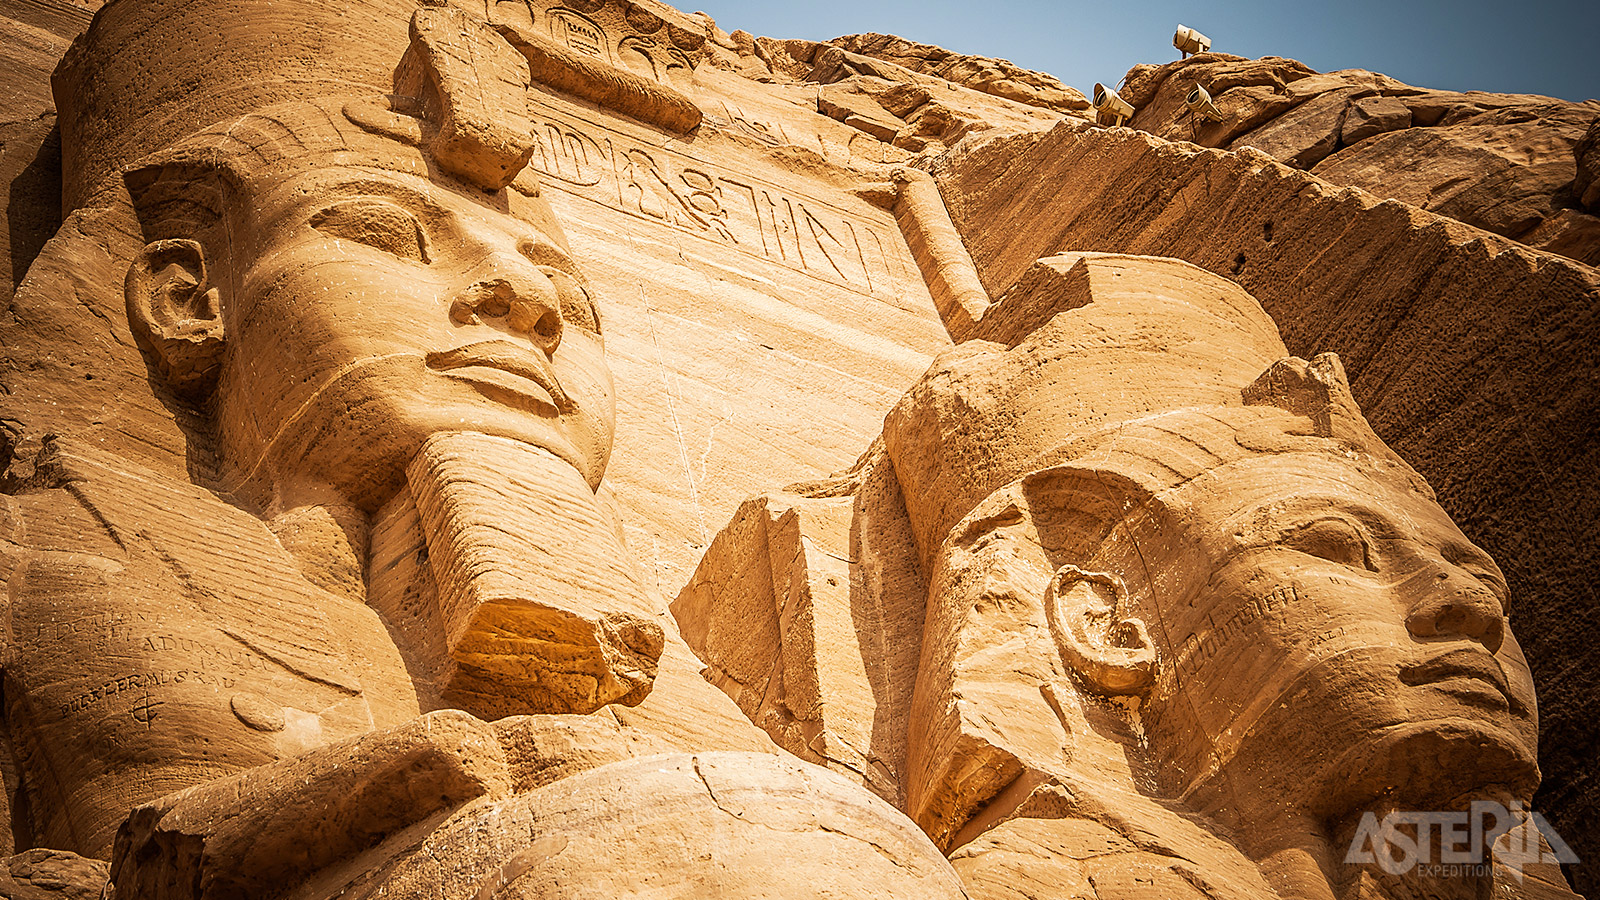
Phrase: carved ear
(173, 309)
(1110, 654)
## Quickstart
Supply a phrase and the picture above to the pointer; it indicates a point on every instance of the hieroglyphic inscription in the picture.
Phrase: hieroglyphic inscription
(733, 209)
(656, 60)
(578, 32)
(769, 133)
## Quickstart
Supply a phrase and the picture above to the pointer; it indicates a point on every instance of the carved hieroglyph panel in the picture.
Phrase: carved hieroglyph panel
(759, 317)
(742, 212)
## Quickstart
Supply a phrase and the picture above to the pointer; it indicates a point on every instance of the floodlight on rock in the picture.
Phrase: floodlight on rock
(1109, 107)
(1198, 102)
(1190, 41)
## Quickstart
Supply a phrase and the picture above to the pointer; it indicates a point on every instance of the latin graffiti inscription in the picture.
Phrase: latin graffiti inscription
(1204, 646)
(144, 681)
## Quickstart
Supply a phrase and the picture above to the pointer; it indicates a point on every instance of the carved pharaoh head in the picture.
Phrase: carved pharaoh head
(1143, 497)
(1294, 611)
(337, 259)
(336, 280)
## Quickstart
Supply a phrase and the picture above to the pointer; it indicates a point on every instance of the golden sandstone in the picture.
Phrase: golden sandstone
(383, 413)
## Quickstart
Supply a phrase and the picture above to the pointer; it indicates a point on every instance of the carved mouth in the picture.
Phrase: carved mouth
(1466, 673)
(504, 356)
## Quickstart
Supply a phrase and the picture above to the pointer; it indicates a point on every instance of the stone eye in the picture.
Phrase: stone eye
(1335, 540)
(377, 223)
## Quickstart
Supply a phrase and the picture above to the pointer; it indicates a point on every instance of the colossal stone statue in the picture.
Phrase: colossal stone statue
(322, 577)
(1186, 619)
(349, 292)
(1306, 634)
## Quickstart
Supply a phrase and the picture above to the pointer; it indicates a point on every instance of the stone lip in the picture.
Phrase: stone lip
(505, 356)
(1464, 663)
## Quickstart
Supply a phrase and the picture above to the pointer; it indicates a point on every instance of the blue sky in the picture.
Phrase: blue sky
(1547, 47)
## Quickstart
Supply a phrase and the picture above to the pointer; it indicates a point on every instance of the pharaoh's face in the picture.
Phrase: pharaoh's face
(1336, 632)
(376, 308)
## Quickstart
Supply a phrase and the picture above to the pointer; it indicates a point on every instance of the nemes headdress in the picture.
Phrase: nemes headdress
(149, 74)
(1149, 370)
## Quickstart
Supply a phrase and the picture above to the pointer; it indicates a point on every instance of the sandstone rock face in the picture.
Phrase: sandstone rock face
(1501, 162)
(1501, 170)
(1587, 153)
(36, 33)
(33, 35)
(30, 170)
(389, 367)
(991, 76)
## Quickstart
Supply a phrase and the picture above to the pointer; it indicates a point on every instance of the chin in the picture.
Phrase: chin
(1434, 764)
(573, 439)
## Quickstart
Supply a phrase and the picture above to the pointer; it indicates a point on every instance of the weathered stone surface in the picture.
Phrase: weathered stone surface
(899, 104)
(544, 749)
(391, 365)
(41, 874)
(1587, 154)
(1307, 136)
(679, 827)
(275, 826)
(768, 609)
(1570, 233)
(30, 178)
(1371, 116)
(991, 76)
(1431, 108)
(856, 108)
(33, 35)
(1497, 161)
(1501, 170)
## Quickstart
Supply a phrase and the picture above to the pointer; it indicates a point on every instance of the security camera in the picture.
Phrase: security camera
(1109, 108)
(1190, 41)
(1199, 103)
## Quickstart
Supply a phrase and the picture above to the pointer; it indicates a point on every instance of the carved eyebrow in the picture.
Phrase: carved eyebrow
(1275, 517)
(411, 198)
(432, 213)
